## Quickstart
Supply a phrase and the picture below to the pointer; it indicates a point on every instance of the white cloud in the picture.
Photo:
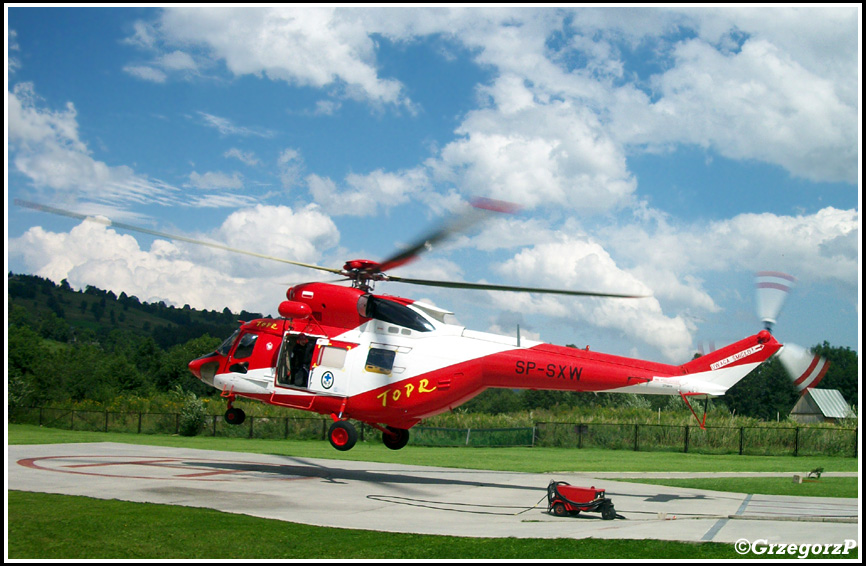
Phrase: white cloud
(291, 166)
(46, 148)
(817, 247)
(580, 264)
(177, 61)
(146, 73)
(553, 155)
(365, 195)
(13, 64)
(310, 46)
(246, 157)
(564, 257)
(215, 180)
(759, 104)
(300, 234)
(94, 254)
(227, 128)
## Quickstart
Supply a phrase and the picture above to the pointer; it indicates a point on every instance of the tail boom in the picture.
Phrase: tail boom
(569, 369)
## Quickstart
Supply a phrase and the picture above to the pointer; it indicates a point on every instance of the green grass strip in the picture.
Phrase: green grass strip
(517, 459)
(47, 526)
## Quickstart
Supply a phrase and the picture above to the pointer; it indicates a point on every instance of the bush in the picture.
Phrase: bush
(192, 415)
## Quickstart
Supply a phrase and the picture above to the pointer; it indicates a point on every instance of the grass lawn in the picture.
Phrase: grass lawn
(44, 526)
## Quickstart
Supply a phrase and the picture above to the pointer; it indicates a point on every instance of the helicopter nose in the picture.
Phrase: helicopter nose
(205, 367)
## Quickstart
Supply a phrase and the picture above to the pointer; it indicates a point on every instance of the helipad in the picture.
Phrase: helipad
(418, 499)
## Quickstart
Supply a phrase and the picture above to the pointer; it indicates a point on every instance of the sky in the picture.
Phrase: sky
(662, 151)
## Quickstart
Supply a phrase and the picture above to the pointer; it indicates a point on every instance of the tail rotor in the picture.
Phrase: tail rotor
(805, 368)
(771, 290)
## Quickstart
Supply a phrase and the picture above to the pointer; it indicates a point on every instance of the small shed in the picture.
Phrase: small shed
(821, 406)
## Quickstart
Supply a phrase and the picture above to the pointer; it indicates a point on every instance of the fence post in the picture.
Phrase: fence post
(106, 421)
(635, 437)
(468, 430)
(139, 422)
(742, 432)
(796, 441)
(686, 440)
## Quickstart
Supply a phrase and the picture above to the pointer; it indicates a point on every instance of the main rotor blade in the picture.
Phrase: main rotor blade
(481, 208)
(107, 222)
(489, 287)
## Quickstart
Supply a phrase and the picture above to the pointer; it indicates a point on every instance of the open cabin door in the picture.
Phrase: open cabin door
(313, 363)
(330, 374)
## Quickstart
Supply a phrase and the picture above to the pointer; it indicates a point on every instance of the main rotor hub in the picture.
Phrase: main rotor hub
(363, 272)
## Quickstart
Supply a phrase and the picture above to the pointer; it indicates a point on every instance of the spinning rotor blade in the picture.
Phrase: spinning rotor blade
(133, 228)
(362, 272)
(804, 368)
(489, 287)
(481, 209)
(771, 290)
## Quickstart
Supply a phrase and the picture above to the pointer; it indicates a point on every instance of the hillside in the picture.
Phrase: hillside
(68, 315)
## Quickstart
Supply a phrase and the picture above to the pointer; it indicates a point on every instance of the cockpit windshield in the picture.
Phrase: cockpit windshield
(226, 346)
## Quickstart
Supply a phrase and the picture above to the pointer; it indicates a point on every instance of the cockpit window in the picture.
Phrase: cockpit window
(226, 346)
(245, 346)
(395, 313)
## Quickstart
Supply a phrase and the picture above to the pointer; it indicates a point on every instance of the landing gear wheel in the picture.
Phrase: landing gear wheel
(395, 438)
(235, 416)
(342, 435)
(559, 509)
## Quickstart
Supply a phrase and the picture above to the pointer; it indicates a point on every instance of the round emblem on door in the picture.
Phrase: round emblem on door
(327, 380)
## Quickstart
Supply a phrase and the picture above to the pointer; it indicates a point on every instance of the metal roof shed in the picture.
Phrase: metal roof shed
(821, 406)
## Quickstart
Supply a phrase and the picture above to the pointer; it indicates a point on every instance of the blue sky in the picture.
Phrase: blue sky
(671, 152)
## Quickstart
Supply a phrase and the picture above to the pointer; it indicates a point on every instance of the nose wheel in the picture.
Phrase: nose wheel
(235, 416)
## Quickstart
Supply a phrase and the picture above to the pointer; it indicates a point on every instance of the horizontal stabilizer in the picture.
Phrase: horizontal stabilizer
(717, 371)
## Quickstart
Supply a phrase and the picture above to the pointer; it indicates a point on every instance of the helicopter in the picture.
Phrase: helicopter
(391, 362)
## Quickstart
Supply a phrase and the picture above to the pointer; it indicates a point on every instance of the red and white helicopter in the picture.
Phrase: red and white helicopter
(391, 362)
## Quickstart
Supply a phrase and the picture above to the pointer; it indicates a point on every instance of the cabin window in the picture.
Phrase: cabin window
(332, 357)
(380, 360)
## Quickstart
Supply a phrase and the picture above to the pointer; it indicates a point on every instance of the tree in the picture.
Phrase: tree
(174, 369)
(766, 393)
(843, 371)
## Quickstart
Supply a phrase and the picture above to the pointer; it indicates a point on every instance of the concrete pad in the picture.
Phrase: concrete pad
(418, 499)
